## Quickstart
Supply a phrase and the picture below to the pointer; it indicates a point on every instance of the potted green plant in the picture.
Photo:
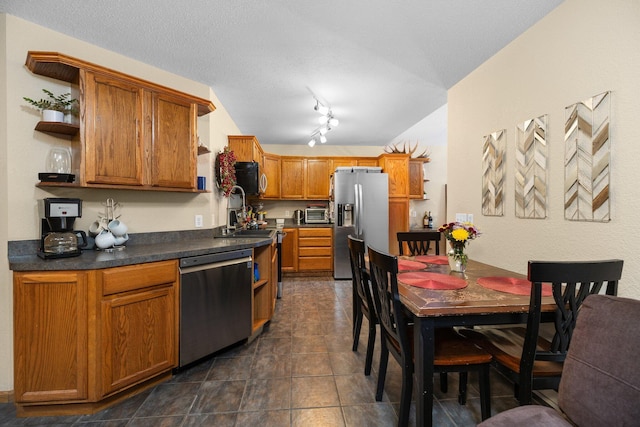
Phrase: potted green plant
(54, 107)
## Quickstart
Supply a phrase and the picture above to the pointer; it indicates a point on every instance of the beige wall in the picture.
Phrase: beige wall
(581, 49)
(6, 294)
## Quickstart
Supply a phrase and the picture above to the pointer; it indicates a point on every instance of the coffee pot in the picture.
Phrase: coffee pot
(298, 216)
(58, 239)
(64, 243)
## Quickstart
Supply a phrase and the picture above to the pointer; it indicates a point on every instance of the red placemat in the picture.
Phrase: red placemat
(406, 265)
(433, 259)
(423, 279)
(511, 285)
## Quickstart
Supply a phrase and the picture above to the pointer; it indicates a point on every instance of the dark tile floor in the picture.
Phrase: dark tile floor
(299, 372)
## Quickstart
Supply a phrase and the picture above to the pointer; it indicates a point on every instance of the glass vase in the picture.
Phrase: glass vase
(59, 160)
(457, 259)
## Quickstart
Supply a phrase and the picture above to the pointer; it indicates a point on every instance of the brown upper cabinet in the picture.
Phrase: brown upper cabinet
(416, 179)
(397, 167)
(137, 134)
(247, 149)
(271, 172)
(318, 174)
(292, 177)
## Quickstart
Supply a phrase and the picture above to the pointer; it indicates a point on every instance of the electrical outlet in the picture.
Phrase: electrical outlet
(198, 221)
(470, 218)
(287, 213)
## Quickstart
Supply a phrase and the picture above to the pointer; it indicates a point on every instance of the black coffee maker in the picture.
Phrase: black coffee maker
(58, 238)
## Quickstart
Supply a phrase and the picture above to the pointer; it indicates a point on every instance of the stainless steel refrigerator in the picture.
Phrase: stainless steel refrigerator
(361, 208)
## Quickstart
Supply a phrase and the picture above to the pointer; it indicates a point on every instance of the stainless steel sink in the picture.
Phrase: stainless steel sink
(247, 234)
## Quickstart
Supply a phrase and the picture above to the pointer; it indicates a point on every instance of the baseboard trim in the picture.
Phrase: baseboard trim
(6, 396)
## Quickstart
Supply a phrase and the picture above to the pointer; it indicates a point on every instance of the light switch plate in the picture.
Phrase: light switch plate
(470, 218)
(198, 221)
(461, 217)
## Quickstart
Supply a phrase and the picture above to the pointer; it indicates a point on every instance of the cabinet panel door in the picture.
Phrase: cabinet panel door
(138, 336)
(368, 162)
(50, 324)
(338, 162)
(114, 146)
(289, 250)
(317, 179)
(398, 221)
(292, 178)
(175, 148)
(397, 166)
(416, 182)
(272, 172)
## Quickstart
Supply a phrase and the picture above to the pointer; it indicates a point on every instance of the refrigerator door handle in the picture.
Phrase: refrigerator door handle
(358, 213)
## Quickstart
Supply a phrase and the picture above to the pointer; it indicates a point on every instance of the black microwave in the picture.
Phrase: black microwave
(247, 177)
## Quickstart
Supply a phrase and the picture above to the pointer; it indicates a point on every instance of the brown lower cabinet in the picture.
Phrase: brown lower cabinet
(307, 250)
(315, 249)
(289, 249)
(86, 339)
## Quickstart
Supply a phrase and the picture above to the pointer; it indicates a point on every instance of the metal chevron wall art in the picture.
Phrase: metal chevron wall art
(587, 164)
(493, 173)
(531, 168)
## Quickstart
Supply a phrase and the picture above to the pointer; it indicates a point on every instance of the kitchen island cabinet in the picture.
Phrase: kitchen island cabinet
(86, 339)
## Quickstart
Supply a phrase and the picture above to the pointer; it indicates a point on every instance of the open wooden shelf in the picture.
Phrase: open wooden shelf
(203, 150)
(120, 187)
(58, 128)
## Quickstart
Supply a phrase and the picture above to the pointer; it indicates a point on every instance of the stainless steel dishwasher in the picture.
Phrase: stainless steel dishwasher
(215, 302)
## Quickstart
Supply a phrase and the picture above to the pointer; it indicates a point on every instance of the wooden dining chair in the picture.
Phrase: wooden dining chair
(362, 299)
(418, 242)
(452, 352)
(534, 362)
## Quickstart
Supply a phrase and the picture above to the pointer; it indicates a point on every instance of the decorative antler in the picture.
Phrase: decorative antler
(394, 149)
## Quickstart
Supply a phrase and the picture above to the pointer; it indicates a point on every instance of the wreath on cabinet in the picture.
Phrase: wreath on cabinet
(225, 171)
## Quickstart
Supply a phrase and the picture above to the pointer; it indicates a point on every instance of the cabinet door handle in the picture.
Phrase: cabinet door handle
(263, 183)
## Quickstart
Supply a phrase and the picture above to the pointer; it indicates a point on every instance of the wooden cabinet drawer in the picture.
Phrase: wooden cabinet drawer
(315, 263)
(129, 278)
(314, 241)
(314, 251)
(314, 232)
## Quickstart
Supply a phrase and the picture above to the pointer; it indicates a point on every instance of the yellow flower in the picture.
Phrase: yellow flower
(460, 234)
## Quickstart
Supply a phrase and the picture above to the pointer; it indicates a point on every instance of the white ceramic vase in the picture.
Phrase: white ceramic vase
(52, 116)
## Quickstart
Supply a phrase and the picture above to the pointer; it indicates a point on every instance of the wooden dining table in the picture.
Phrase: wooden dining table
(470, 305)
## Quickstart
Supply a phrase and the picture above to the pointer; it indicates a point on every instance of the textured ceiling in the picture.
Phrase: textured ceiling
(381, 65)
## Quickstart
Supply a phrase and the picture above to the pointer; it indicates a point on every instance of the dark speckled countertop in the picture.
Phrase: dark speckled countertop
(141, 248)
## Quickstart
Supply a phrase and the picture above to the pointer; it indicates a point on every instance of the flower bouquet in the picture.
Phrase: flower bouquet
(458, 234)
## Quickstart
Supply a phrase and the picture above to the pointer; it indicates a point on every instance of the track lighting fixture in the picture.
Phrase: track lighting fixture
(326, 121)
(321, 108)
